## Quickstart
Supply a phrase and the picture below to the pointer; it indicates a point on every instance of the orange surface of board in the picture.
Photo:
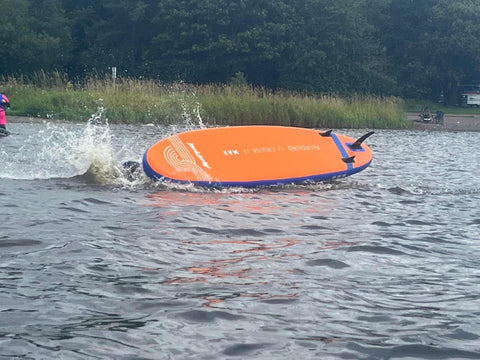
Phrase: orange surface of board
(253, 155)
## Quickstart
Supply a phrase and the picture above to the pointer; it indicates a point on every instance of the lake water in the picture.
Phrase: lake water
(381, 265)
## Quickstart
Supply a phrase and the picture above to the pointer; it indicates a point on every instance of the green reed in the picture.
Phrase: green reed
(148, 101)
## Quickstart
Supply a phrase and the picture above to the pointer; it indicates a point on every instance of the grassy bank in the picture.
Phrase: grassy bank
(147, 101)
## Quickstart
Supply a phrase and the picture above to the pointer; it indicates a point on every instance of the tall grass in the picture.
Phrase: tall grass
(148, 101)
(227, 105)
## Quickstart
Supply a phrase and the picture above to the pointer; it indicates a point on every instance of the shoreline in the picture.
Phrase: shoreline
(30, 119)
(451, 122)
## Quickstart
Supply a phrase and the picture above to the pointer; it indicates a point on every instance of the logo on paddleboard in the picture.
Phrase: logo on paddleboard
(179, 157)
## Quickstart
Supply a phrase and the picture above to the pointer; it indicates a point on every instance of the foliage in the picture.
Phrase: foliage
(30, 39)
(434, 45)
(413, 49)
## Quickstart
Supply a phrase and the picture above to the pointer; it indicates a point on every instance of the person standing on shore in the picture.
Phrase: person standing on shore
(4, 106)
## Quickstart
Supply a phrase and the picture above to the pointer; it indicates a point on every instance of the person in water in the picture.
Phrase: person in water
(4, 106)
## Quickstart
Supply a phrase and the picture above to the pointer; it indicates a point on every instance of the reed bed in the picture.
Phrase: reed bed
(129, 100)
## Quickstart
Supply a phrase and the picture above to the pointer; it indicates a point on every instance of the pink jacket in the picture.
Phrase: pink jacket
(4, 103)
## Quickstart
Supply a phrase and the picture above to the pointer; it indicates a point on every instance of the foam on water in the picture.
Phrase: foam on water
(63, 150)
(59, 150)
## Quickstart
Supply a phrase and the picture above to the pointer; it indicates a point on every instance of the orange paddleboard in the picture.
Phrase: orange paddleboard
(255, 156)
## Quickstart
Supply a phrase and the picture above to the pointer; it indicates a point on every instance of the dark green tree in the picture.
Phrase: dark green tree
(111, 33)
(211, 40)
(414, 48)
(33, 36)
(83, 16)
(335, 50)
(454, 41)
(434, 46)
(404, 36)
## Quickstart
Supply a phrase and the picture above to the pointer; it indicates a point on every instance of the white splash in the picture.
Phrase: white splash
(64, 150)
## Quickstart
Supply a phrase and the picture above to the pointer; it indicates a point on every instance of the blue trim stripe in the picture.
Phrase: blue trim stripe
(251, 184)
(148, 169)
(342, 150)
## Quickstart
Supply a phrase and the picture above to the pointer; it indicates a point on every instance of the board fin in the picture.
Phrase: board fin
(349, 160)
(357, 145)
(327, 133)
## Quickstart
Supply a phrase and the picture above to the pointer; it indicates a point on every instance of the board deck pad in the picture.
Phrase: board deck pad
(254, 156)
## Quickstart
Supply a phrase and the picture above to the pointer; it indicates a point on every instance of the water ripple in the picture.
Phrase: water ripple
(381, 265)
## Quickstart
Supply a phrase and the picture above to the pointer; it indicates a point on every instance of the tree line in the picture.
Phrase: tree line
(408, 48)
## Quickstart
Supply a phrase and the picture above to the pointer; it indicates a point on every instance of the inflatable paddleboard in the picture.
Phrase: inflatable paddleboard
(250, 156)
